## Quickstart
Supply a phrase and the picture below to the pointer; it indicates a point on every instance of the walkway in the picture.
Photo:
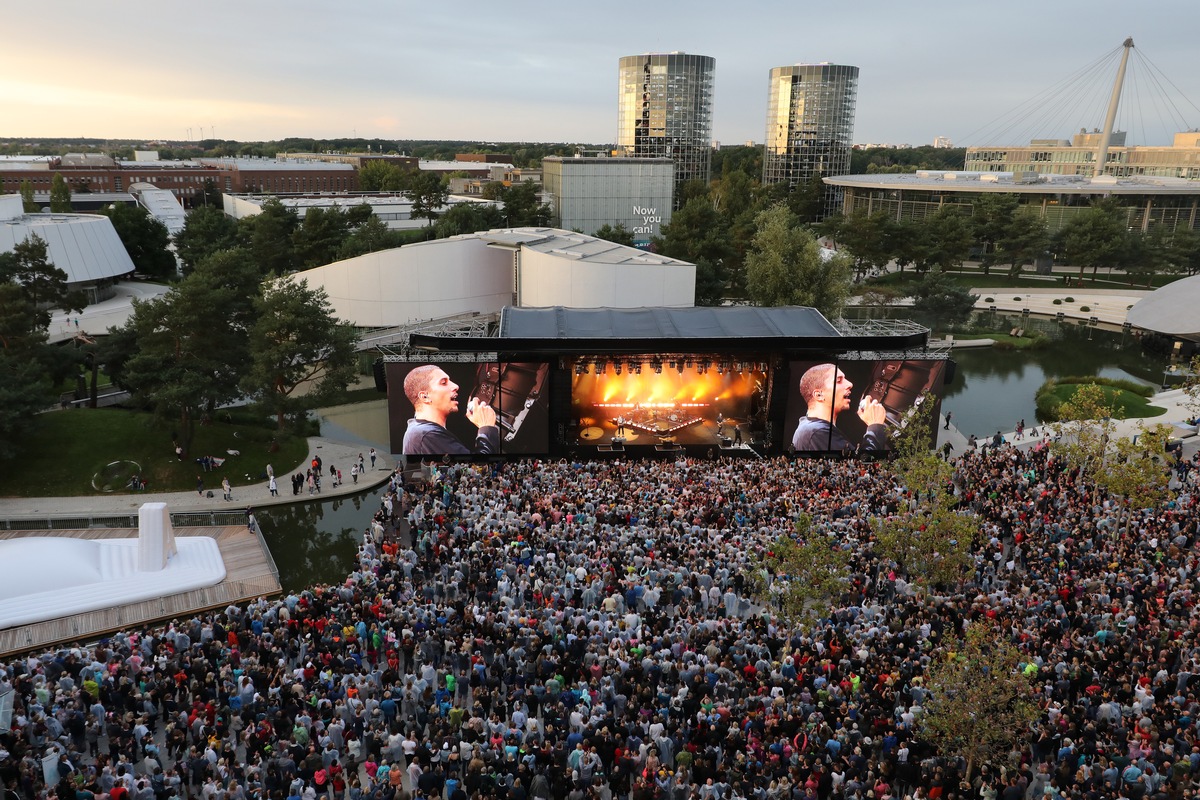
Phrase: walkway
(256, 495)
(97, 318)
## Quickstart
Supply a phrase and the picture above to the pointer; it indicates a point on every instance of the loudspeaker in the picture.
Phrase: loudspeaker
(380, 376)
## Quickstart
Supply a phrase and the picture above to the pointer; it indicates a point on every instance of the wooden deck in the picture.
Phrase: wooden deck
(249, 573)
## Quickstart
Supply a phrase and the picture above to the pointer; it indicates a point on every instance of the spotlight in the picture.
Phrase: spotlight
(657, 366)
(637, 368)
(617, 367)
(580, 368)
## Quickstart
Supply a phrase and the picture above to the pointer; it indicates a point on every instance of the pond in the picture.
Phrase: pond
(994, 388)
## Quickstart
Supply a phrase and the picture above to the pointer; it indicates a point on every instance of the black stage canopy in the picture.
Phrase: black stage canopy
(559, 329)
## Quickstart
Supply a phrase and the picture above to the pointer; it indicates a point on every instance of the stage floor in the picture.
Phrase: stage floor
(597, 431)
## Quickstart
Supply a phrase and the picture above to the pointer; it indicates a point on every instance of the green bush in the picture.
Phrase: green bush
(1085, 308)
(1016, 299)
(989, 299)
(1057, 302)
(1069, 300)
(1116, 383)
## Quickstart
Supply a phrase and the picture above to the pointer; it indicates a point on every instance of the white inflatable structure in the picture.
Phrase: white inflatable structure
(47, 577)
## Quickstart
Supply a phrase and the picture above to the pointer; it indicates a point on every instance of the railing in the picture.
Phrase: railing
(179, 519)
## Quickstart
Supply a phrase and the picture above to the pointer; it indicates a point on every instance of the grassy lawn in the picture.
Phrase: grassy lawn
(1130, 405)
(69, 448)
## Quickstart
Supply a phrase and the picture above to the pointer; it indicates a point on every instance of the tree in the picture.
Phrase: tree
(297, 342)
(467, 218)
(929, 540)
(1133, 468)
(1025, 238)
(991, 217)
(145, 239)
(1095, 237)
(941, 301)
(184, 353)
(944, 240)
(320, 236)
(522, 208)
(269, 235)
(42, 285)
(785, 266)
(980, 704)
(377, 175)
(27, 202)
(60, 195)
(619, 234)
(699, 235)
(1191, 387)
(25, 388)
(428, 194)
(802, 576)
(867, 237)
(206, 230)
(370, 237)
(1087, 424)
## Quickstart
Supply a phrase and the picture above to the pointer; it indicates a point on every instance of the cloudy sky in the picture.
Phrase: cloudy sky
(994, 72)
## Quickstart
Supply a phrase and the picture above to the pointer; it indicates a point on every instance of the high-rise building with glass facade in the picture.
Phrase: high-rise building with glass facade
(810, 123)
(665, 111)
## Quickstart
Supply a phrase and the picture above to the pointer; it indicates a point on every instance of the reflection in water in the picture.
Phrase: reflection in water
(315, 542)
(994, 389)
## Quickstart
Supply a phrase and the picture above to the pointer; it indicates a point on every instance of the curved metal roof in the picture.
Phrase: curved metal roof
(1173, 309)
(85, 246)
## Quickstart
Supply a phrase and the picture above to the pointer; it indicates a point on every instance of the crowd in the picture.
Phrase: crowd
(586, 630)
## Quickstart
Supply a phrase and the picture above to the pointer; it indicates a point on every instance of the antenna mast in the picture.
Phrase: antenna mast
(1110, 120)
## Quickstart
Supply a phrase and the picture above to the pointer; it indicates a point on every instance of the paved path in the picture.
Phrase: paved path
(97, 318)
(256, 495)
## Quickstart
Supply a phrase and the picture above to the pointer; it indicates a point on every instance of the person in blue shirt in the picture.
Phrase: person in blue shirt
(434, 397)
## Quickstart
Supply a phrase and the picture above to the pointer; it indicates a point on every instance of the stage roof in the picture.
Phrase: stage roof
(737, 322)
(646, 330)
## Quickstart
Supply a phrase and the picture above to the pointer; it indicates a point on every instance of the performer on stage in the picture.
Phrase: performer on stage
(434, 397)
(826, 390)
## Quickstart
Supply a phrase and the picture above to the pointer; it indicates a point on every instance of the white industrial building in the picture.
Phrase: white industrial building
(85, 246)
(483, 272)
(586, 194)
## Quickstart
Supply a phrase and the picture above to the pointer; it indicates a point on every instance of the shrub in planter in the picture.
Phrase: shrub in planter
(1085, 308)
(1057, 302)
(989, 299)
(1070, 300)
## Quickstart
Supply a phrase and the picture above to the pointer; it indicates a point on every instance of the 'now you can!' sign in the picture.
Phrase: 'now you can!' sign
(650, 218)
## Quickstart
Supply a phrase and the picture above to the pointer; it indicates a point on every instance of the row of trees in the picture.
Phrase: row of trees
(997, 231)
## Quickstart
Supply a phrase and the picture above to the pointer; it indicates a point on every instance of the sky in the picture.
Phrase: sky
(526, 70)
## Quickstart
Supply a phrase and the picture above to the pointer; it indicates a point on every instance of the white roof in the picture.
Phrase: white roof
(1171, 309)
(163, 205)
(85, 246)
(576, 246)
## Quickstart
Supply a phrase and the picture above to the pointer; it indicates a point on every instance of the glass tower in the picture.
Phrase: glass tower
(810, 124)
(665, 111)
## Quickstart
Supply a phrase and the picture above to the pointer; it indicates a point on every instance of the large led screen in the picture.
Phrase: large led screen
(857, 406)
(686, 402)
(459, 408)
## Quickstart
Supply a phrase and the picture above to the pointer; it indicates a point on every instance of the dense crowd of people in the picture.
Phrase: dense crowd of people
(587, 630)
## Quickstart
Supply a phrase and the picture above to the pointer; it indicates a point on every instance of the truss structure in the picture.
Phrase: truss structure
(393, 343)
